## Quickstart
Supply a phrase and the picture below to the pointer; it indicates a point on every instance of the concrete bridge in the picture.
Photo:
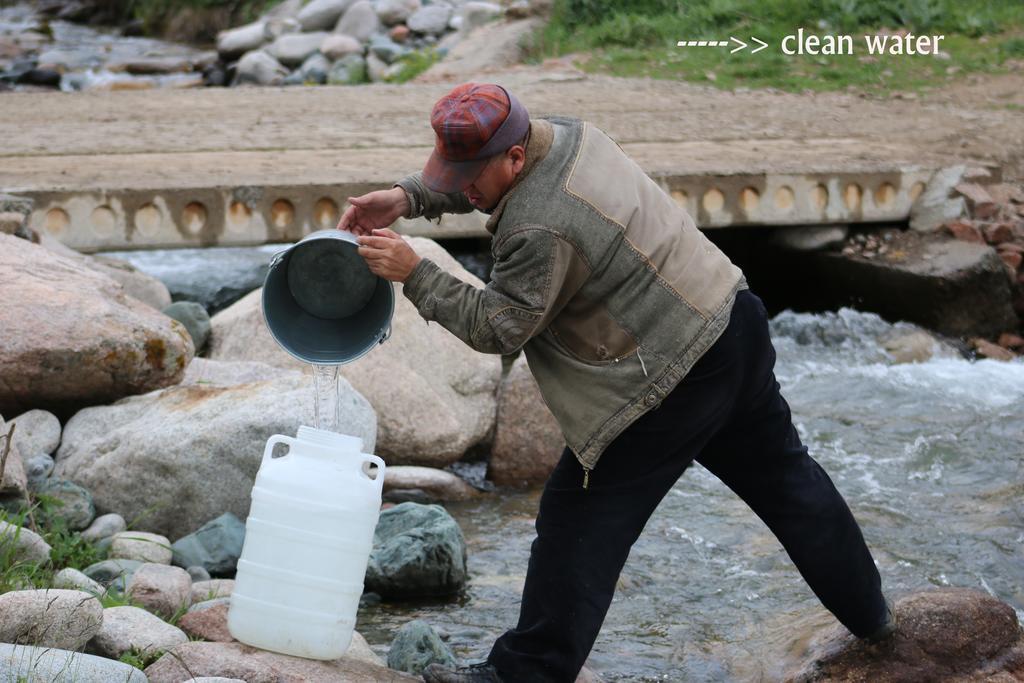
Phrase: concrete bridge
(173, 168)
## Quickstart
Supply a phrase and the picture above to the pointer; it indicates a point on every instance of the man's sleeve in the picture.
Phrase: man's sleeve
(535, 273)
(425, 202)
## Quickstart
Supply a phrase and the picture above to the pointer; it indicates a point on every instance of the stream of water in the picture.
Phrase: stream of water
(326, 395)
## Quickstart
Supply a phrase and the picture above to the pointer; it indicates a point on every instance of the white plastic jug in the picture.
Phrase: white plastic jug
(307, 543)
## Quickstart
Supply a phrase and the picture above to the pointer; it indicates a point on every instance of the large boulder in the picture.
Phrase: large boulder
(942, 635)
(527, 439)
(418, 550)
(72, 337)
(64, 619)
(28, 663)
(237, 41)
(176, 458)
(235, 660)
(215, 546)
(434, 395)
(291, 49)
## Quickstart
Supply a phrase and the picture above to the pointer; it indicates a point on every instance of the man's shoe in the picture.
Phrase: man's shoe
(888, 627)
(474, 673)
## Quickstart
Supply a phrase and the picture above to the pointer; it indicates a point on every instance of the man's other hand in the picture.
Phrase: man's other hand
(374, 210)
(388, 255)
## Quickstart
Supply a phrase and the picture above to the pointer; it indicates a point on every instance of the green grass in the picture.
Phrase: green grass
(415, 63)
(639, 39)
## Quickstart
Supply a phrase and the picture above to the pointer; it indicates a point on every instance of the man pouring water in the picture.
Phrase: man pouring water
(648, 347)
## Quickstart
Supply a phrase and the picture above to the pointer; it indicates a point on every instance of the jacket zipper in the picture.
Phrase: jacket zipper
(586, 476)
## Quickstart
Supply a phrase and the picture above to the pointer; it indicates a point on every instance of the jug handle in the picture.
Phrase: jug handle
(273, 441)
(379, 462)
(387, 335)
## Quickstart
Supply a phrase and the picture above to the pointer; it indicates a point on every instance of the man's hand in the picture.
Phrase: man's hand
(374, 210)
(388, 255)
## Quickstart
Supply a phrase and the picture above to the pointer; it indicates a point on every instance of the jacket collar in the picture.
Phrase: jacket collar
(538, 142)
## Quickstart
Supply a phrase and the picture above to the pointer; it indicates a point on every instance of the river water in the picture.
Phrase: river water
(928, 455)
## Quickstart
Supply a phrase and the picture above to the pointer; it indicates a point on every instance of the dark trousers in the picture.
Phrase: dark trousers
(728, 414)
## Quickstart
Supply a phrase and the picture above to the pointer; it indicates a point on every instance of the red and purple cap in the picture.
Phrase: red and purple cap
(473, 122)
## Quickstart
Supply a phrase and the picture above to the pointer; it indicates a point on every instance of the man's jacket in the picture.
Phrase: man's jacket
(599, 276)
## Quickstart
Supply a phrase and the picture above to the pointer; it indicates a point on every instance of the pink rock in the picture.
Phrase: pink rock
(160, 588)
(208, 624)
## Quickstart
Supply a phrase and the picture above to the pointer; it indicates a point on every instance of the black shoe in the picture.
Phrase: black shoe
(887, 629)
(474, 673)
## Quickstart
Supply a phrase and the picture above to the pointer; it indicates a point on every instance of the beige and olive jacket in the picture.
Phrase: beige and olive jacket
(601, 278)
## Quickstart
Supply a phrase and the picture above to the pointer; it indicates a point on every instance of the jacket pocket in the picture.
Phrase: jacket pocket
(591, 335)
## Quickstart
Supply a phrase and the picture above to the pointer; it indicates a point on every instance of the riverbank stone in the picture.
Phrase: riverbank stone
(417, 645)
(114, 574)
(54, 617)
(943, 634)
(349, 70)
(160, 588)
(418, 550)
(235, 42)
(195, 319)
(37, 469)
(38, 431)
(432, 484)
(259, 68)
(105, 526)
(72, 503)
(132, 628)
(215, 546)
(142, 546)
(432, 19)
(28, 545)
(318, 15)
(72, 579)
(211, 589)
(198, 573)
(209, 624)
(28, 663)
(291, 49)
(360, 21)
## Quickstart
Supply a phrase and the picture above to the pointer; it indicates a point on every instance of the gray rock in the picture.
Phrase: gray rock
(360, 21)
(28, 545)
(349, 70)
(237, 41)
(315, 68)
(206, 442)
(338, 45)
(393, 12)
(285, 10)
(198, 574)
(72, 579)
(141, 546)
(259, 68)
(161, 589)
(195, 319)
(275, 28)
(72, 503)
(214, 589)
(27, 663)
(418, 550)
(114, 574)
(294, 78)
(131, 628)
(939, 202)
(105, 526)
(64, 619)
(417, 645)
(386, 49)
(376, 68)
(810, 237)
(215, 546)
(432, 19)
(292, 49)
(319, 15)
(204, 605)
(226, 373)
(38, 431)
(37, 469)
(436, 485)
(475, 14)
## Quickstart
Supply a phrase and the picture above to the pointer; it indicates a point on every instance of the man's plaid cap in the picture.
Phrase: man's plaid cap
(473, 122)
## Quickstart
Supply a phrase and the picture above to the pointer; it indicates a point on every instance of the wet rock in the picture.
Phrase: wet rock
(209, 624)
(72, 503)
(418, 550)
(211, 589)
(393, 12)
(359, 21)
(160, 588)
(337, 45)
(417, 645)
(105, 526)
(235, 660)
(436, 485)
(58, 618)
(945, 634)
(915, 346)
(141, 546)
(259, 68)
(292, 49)
(206, 441)
(131, 628)
(215, 546)
(27, 663)
(72, 579)
(235, 42)
(195, 319)
(38, 432)
(28, 545)
(527, 439)
(114, 574)
(59, 314)
(987, 349)
(319, 15)
(435, 397)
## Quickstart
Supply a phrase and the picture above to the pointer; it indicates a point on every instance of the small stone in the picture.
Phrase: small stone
(141, 546)
(349, 70)
(72, 579)
(11, 222)
(965, 231)
(113, 573)
(160, 588)
(360, 21)
(216, 546)
(314, 69)
(386, 49)
(28, 545)
(1011, 341)
(399, 33)
(105, 526)
(432, 19)
(211, 590)
(416, 646)
(38, 432)
(337, 45)
(195, 319)
(73, 503)
(131, 628)
(396, 11)
(64, 619)
(209, 624)
(979, 202)
(376, 68)
(37, 469)
(198, 573)
(999, 232)
(987, 349)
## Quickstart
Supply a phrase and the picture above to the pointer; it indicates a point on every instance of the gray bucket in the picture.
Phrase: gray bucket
(321, 302)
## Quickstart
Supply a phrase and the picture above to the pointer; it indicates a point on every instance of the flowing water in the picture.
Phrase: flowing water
(928, 455)
(326, 395)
